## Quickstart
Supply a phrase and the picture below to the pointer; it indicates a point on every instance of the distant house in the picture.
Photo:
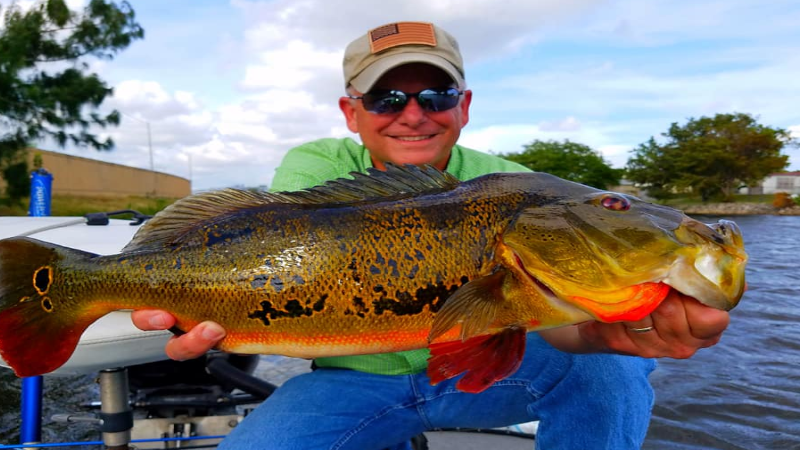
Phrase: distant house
(777, 182)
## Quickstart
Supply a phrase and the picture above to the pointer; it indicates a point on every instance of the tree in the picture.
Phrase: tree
(568, 160)
(710, 157)
(45, 90)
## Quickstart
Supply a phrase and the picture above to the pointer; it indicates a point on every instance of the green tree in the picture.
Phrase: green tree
(710, 156)
(45, 88)
(568, 160)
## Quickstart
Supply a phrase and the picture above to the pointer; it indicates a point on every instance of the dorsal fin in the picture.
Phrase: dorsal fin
(169, 226)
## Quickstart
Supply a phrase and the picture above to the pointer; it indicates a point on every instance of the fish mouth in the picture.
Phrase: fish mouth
(712, 268)
(724, 233)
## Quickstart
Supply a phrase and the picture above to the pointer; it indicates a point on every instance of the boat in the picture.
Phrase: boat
(146, 400)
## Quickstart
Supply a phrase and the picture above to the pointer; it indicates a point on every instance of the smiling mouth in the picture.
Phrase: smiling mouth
(414, 138)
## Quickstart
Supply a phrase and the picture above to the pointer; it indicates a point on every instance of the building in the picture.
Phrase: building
(79, 176)
(788, 182)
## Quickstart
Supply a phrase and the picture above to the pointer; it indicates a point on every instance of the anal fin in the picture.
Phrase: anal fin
(484, 359)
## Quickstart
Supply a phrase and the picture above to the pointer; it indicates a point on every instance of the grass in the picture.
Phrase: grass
(73, 205)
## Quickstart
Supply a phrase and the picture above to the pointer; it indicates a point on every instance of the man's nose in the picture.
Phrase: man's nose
(413, 114)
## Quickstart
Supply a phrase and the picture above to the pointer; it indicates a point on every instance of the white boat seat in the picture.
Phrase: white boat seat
(112, 341)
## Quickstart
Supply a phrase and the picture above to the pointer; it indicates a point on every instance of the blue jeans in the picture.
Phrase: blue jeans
(581, 401)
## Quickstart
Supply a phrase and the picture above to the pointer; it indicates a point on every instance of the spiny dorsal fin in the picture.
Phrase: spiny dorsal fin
(393, 184)
(169, 226)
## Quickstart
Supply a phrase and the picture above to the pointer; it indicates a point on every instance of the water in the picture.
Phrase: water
(744, 393)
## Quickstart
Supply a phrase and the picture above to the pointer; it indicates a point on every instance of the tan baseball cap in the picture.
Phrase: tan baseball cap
(370, 56)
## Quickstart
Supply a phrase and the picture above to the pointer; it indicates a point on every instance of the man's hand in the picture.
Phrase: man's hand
(680, 327)
(195, 343)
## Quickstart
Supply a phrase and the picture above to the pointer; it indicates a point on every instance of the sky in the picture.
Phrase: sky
(227, 87)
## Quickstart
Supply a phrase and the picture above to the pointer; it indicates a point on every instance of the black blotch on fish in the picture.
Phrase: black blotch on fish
(319, 305)
(404, 303)
(292, 310)
(360, 307)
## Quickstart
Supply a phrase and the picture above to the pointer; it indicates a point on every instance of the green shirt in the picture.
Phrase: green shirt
(319, 161)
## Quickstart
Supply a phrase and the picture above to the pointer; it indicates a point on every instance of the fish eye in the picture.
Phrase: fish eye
(615, 203)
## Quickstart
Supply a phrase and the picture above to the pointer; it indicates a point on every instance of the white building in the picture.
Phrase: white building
(782, 182)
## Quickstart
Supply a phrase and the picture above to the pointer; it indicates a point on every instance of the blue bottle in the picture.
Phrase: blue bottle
(41, 190)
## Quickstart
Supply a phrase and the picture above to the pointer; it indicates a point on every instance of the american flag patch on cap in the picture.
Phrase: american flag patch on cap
(401, 33)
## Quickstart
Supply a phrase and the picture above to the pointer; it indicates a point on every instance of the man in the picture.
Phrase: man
(408, 103)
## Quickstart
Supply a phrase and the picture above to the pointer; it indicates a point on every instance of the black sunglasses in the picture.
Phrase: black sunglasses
(393, 101)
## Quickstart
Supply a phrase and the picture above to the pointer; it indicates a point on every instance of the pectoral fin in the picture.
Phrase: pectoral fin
(474, 306)
(485, 359)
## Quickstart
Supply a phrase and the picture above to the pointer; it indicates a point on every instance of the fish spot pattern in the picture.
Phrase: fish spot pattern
(47, 305)
(42, 279)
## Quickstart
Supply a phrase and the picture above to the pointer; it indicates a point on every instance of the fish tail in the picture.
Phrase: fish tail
(39, 324)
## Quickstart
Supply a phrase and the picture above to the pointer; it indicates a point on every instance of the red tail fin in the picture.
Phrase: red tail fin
(39, 325)
(485, 359)
(34, 342)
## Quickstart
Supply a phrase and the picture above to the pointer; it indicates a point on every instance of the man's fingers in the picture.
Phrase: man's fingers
(151, 320)
(196, 342)
(705, 323)
(670, 319)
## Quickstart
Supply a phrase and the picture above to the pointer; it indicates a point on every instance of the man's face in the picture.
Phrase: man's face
(412, 136)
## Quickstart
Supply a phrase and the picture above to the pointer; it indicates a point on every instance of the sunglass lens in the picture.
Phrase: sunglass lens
(438, 100)
(385, 102)
(390, 102)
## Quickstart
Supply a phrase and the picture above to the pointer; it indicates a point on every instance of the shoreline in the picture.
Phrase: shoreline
(740, 209)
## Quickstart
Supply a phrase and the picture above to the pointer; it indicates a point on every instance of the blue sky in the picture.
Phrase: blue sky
(229, 87)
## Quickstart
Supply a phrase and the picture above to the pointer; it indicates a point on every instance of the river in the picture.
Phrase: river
(743, 393)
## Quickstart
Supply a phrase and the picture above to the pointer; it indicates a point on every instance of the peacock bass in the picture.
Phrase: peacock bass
(384, 262)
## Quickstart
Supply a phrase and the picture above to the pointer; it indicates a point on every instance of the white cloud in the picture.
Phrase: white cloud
(608, 74)
(568, 124)
(288, 67)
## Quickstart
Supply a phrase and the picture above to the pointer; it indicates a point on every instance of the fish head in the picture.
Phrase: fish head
(615, 256)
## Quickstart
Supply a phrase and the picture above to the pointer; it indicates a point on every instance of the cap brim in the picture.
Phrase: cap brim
(364, 81)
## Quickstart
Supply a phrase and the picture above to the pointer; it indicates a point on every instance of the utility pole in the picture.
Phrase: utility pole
(150, 147)
(154, 179)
